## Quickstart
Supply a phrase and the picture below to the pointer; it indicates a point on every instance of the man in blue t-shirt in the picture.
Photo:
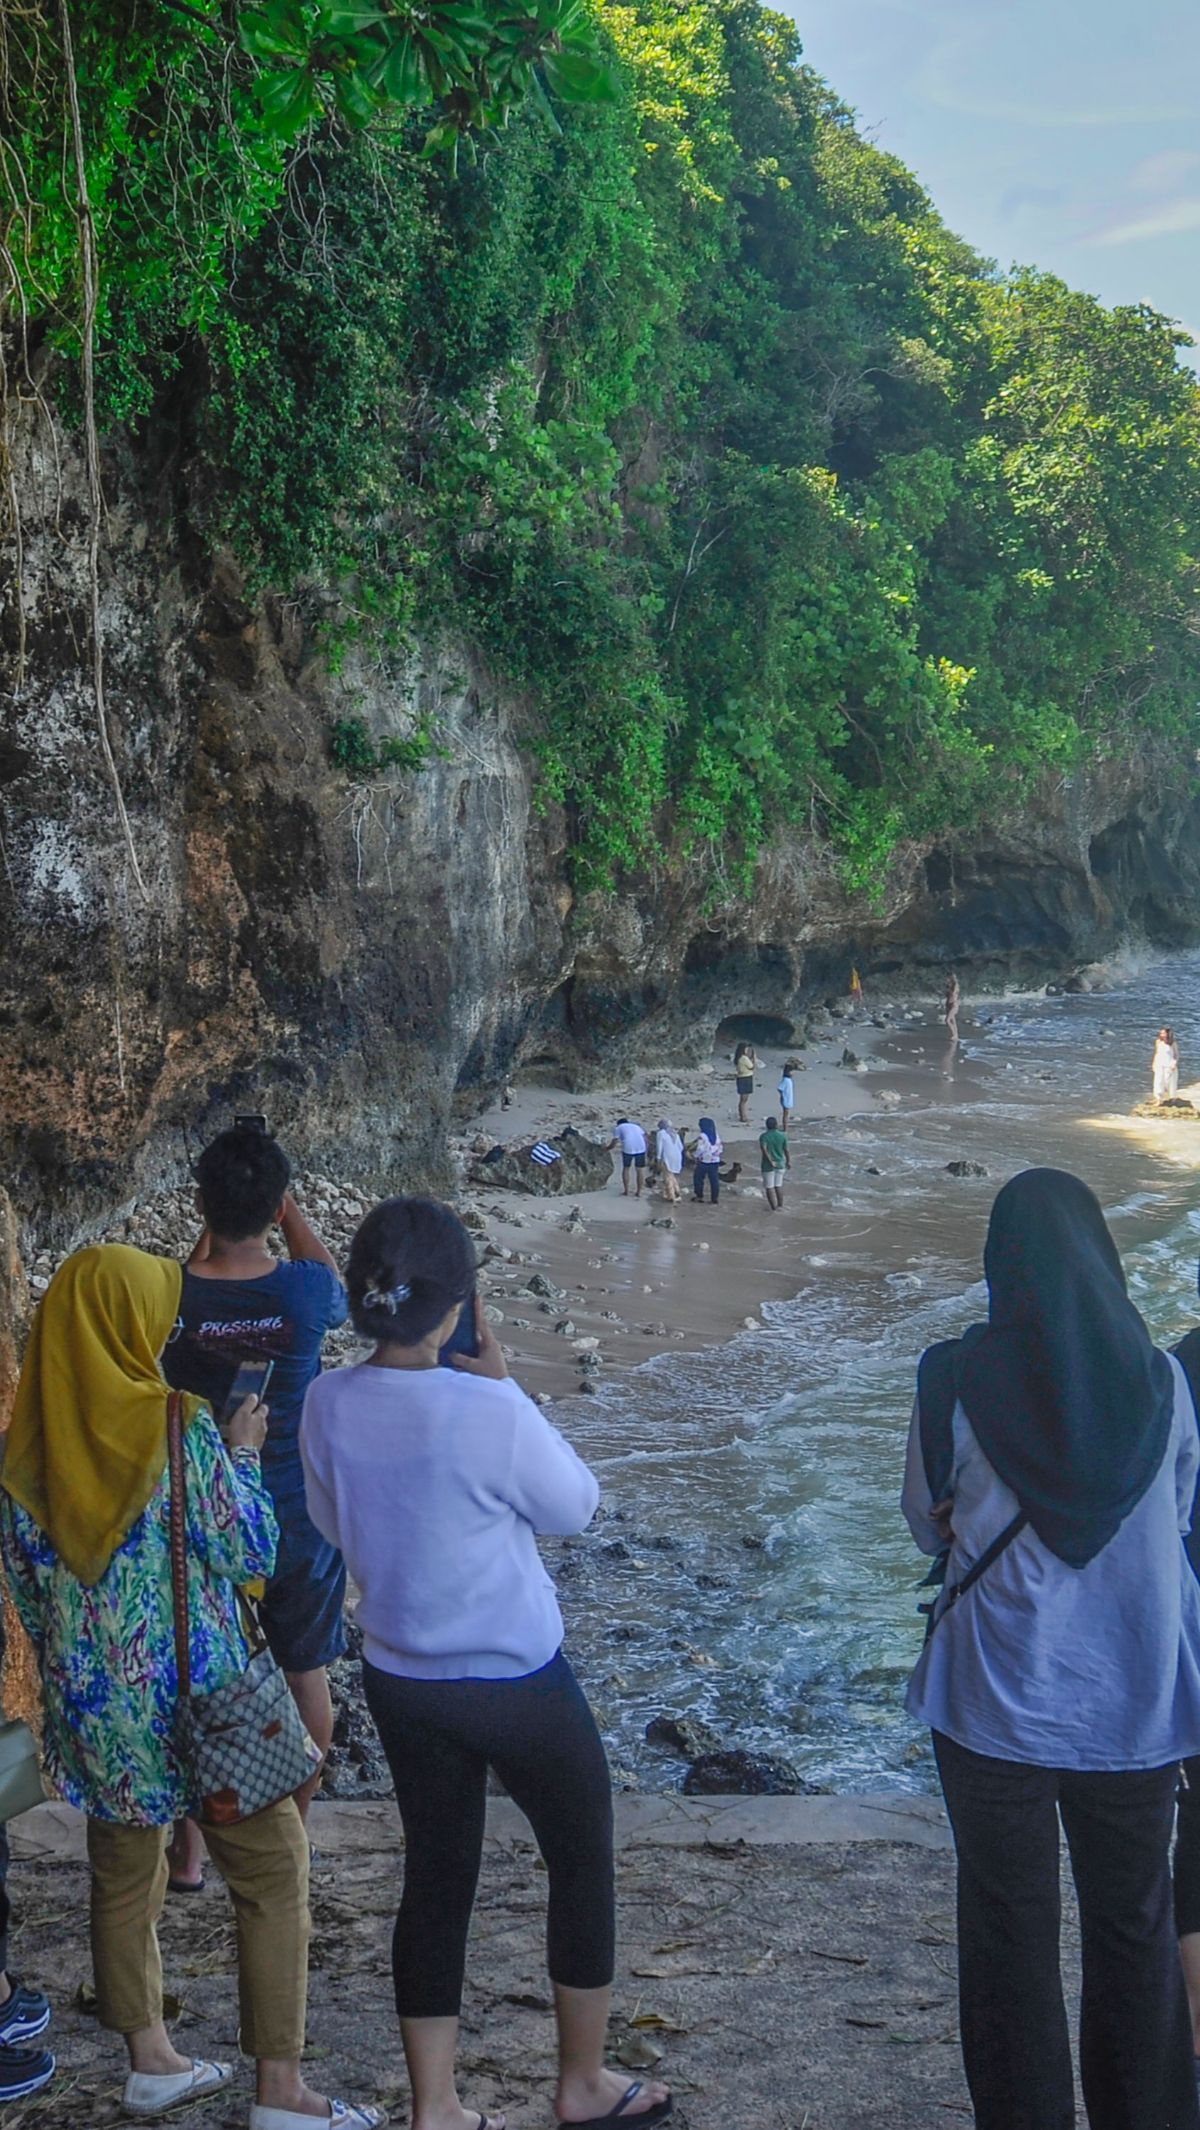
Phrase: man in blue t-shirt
(239, 1303)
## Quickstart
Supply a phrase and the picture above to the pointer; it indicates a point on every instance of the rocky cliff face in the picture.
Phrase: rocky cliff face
(366, 958)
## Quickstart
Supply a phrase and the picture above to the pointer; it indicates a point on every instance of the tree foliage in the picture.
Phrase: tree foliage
(767, 498)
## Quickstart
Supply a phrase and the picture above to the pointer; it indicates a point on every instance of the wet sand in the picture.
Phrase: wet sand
(633, 1288)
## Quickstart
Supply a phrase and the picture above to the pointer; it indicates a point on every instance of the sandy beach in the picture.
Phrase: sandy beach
(642, 1276)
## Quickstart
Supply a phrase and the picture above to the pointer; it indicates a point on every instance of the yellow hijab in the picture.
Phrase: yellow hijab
(88, 1441)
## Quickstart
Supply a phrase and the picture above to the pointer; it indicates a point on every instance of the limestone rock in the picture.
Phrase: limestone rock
(965, 1168)
(688, 1736)
(583, 1165)
(734, 1773)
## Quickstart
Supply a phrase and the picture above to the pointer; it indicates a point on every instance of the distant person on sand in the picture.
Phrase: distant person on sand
(1165, 1066)
(745, 1065)
(856, 989)
(632, 1141)
(1052, 1462)
(707, 1149)
(951, 1004)
(776, 1157)
(669, 1147)
(787, 1093)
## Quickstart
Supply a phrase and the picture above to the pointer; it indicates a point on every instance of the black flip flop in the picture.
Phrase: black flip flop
(657, 2114)
(185, 1885)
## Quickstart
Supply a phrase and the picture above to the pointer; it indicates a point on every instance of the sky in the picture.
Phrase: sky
(1063, 134)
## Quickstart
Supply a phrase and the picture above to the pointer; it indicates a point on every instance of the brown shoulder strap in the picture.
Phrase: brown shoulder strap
(178, 1481)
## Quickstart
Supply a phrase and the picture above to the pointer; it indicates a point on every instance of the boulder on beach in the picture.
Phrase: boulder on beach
(688, 1736)
(582, 1165)
(735, 1773)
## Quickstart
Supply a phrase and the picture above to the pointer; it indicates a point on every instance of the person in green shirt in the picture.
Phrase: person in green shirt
(776, 1157)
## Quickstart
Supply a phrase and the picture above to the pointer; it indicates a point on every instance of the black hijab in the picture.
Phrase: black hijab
(1068, 1399)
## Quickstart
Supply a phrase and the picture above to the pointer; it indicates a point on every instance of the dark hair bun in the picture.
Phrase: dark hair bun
(411, 1261)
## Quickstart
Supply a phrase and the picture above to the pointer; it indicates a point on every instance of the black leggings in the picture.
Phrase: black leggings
(1187, 1852)
(711, 1169)
(538, 1733)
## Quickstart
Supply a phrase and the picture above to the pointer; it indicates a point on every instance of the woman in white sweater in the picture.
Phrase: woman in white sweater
(433, 1481)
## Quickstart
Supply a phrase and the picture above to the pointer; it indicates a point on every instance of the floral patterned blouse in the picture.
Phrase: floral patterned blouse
(107, 1651)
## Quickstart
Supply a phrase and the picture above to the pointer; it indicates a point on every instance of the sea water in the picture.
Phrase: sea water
(753, 1569)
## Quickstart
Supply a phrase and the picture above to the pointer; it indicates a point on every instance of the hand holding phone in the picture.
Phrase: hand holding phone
(246, 1395)
(464, 1338)
(247, 1430)
(488, 1356)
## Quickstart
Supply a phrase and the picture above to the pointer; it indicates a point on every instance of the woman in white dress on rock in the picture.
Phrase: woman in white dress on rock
(1165, 1066)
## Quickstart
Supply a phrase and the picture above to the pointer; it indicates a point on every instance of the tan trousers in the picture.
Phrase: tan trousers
(264, 1863)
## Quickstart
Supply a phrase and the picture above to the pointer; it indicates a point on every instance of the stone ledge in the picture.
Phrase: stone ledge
(56, 1832)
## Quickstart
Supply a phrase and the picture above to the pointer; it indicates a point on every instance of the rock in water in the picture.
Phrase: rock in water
(583, 1165)
(965, 1168)
(687, 1736)
(1175, 1108)
(738, 1774)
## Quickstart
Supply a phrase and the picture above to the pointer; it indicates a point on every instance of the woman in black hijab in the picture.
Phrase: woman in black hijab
(1054, 1454)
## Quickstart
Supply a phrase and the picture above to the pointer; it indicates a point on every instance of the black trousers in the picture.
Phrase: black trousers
(5, 1909)
(538, 1733)
(711, 1169)
(1135, 2038)
(1187, 1852)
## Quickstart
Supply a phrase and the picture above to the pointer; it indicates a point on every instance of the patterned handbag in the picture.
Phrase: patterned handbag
(244, 1744)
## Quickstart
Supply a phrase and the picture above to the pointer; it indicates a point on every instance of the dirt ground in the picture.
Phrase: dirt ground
(793, 1987)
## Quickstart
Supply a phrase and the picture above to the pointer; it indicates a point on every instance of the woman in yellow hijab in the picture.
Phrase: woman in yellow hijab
(85, 1530)
(88, 1440)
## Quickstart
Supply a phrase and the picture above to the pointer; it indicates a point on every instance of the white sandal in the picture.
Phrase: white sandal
(151, 2092)
(341, 2116)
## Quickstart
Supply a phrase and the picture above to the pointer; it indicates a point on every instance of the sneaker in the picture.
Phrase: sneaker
(24, 2071)
(24, 2015)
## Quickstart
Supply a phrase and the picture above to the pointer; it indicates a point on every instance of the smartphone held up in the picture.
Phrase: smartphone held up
(251, 1380)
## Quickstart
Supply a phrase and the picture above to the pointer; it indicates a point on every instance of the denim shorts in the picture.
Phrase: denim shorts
(302, 1607)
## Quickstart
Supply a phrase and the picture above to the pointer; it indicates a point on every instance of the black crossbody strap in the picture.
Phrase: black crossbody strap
(980, 1567)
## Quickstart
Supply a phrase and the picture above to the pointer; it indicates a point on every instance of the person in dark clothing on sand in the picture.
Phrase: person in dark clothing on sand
(707, 1150)
(745, 1065)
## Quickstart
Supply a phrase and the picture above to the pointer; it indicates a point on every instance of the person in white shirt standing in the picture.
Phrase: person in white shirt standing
(632, 1141)
(669, 1147)
(1053, 1451)
(787, 1093)
(433, 1482)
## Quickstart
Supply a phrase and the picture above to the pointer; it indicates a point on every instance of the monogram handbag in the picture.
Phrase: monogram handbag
(244, 1743)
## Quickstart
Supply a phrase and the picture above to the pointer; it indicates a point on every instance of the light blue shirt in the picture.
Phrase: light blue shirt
(1087, 1668)
(787, 1094)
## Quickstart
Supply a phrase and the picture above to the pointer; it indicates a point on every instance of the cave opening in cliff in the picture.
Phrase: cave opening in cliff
(769, 1029)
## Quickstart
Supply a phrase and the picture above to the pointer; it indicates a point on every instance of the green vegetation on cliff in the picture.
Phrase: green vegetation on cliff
(771, 499)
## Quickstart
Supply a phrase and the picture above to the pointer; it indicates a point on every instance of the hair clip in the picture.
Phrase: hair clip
(388, 1298)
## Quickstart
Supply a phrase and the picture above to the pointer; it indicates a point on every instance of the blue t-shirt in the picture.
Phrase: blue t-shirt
(282, 1317)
